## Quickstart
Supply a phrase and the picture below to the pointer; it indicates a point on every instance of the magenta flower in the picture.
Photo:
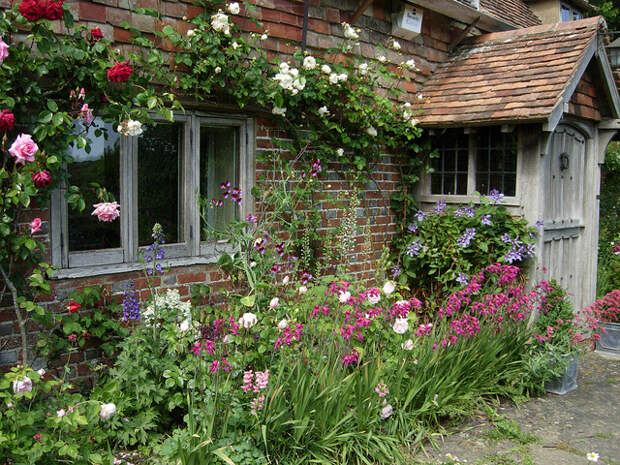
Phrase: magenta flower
(4, 50)
(42, 179)
(106, 211)
(23, 148)
(86, 113)
(35, 225)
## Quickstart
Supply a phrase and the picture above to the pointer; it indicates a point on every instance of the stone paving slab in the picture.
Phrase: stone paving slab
(564, 428)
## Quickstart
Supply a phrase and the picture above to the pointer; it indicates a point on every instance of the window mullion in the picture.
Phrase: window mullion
(471, 165)
(192, 188)
(129, 198)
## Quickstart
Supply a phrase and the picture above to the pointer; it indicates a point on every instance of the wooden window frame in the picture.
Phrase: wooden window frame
(189, 249)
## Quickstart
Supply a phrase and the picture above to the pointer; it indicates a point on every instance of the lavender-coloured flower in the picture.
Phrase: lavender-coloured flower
(251, 218)
(420, 216)
(306, 277)
(540, 224)
(506, 238)
(131, 306)
(396, 272)
(466, 238)
(414, 249)
(413, 227)
(513, 255)
(496, 196)
(486, 219)
(463, 278)
(464, 211)
(440, 207)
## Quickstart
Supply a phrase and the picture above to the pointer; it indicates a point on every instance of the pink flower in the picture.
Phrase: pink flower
(4, 50)
(86, 113)
(106, 211)
(42, 178)
(23, 148)
(35, 225)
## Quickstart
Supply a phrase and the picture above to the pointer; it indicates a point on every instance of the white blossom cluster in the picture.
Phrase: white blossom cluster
(219, 22)
(289, 79)
(130, 128)
(172, 301)
(350, 32)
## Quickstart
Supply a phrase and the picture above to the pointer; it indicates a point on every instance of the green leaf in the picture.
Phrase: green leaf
(151, 102)
(248, 300)
(53, 106)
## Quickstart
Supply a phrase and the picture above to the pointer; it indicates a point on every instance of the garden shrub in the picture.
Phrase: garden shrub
(446, 246)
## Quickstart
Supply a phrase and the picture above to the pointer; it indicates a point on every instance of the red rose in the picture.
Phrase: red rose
(120, 72)
(32, 10)
(7, 119)
(73, 307)
(42, 178)
(94, 35)
(53, 9)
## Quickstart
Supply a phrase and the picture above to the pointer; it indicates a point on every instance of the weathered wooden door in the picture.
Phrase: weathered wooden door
(564, 170)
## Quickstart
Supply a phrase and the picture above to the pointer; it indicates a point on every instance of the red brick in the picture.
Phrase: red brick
(92, 12)
(198, 277)
(318, 26)
(332, 15)
(177, 10)
(116, 16)
(193, 11)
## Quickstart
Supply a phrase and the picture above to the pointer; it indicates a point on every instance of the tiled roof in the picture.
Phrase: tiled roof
(508, 76)
(515, 12)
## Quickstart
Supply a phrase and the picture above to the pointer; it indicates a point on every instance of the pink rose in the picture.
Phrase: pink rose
(23, 149)
(4, 50)
(35, 225)
(86, 113)
(106, 211)
(42, 179)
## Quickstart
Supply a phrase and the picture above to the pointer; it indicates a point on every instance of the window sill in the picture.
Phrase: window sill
(210, 257)
(460, 199)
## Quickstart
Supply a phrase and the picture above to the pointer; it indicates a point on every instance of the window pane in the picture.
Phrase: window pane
(436, 184)
(448, 184)
(463, 156)
(160, 182)
(510, 184)
(219, 163)
(461, 184)
(566, 14)
(102, 166)
(496, 167)
(449, 162)
(453, 148)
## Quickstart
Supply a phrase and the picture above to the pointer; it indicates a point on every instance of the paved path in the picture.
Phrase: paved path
(551, 430)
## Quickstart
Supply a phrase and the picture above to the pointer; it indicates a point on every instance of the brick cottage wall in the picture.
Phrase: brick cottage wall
(283, 19)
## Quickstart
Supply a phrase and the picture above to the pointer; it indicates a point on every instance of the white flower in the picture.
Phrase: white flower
(414, 122)
(185, 325)
(326, 69)
(342, 77)
(343, 297)
(395, 45)
(247, 320)
(371, 131)
(279, 111)
(226, 339)
(41, 371)
(386, 411)
(61, 413)
(235, 45)
(129, 128)
(282, 324)
(22, 385)
(309, 62)
(388, 287)
(299, 83)
(264, 37)
(302, 290)
(323, 111)
(252, 264)
(408, 345)
(420, 96)
(333, 78)
(218, 70)
(364, 69)
(285, 80)
(382, 59)
(373, 299)
(219, 22)
(107, 410)
(191, 33)
(274, 302)
(592, 457)
(284, 68)
(233, 8)
(349, 32)
(401, 326)
(340, 152)
(409, 64)
(407, 114)
(285, 280)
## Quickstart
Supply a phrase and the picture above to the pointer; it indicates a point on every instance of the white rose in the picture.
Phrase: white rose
(364, 69)
(349, 32)
(299, 83)
(294, 72)
(285, 280)
(233, 8)
(264, 37)
(134, 128)
(386, 411)
(191, 33)
(219, 22)
(371, 131)
(235, 45)
(309, 62)
(61, 413)
(274, 302)
(248, 320)
(184, 326)
(414, 122)
(344, 297)
(302, 290)
(218, 70)
(395, 45)
(410, 64)
(282, 324)
(407, 114)
(408, 345)
(342, 77)
(326, 69)
(323, 111)
(401, 326)
(22, 385)
(382, 59)
(41, 371)
(284, 68)
(106, 411)
(279, 111)
(252, 264)
(340, 152)
(388, 287)
(333, 78)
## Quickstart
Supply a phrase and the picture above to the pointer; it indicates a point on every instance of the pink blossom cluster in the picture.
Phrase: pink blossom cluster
(288, 335)
(350, 358)
(219, 365)
(255, 381)
(382, 390)
(606, 309)
(206, 345)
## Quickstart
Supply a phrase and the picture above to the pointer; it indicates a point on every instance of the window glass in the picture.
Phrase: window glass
(160, 184)
(450, 177)
(496, 161)
(219, 163)
(100, 165)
